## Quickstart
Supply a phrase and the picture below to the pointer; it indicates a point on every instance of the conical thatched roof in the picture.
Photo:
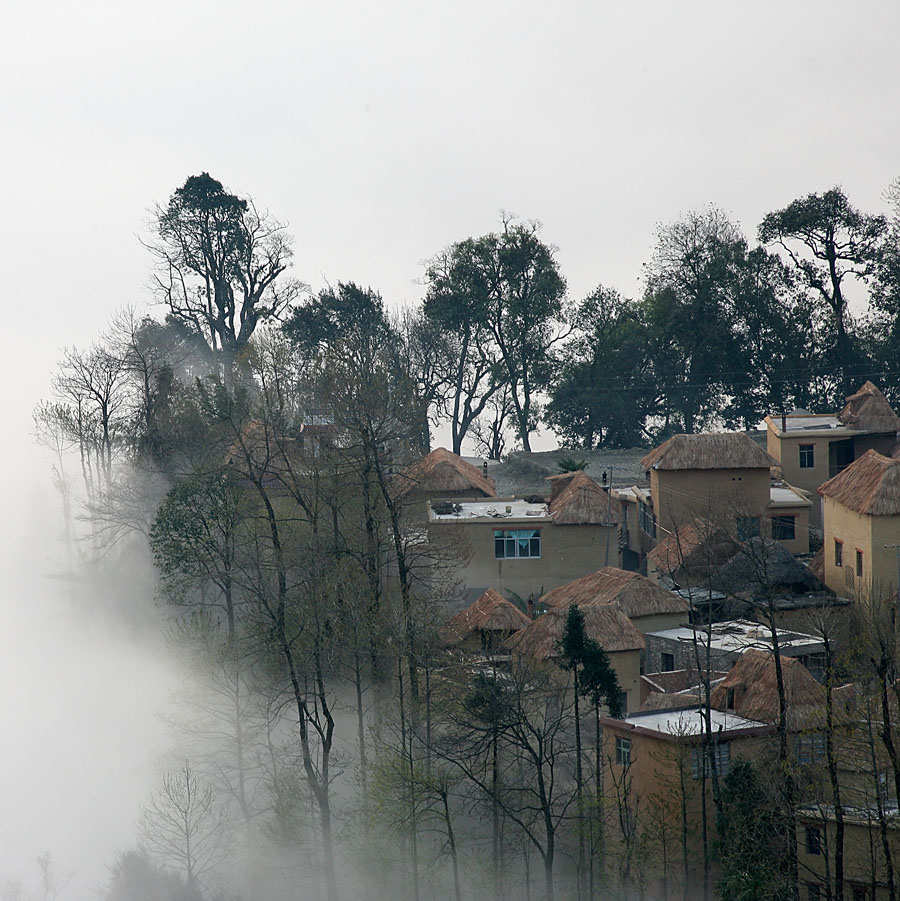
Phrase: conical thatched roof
(869, 411)
(761, 565)
(635, 595)
(711, 450)
(606, 624)
(752, 679)
(490, 613)
(696, 545)
(869, 485)
(577, 500)
(443, 472)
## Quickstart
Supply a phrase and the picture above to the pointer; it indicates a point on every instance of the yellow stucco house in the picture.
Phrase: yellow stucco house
(813, 447)
(725, 479)
(861, 509)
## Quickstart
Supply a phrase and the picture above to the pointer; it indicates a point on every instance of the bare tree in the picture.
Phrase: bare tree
(183, 826)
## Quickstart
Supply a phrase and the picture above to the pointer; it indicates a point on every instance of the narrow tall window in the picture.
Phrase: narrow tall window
(813, 840)
(807, 456)
(838, 552)
(859, 563)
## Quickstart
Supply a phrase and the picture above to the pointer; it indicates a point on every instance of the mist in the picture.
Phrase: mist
(85, 674)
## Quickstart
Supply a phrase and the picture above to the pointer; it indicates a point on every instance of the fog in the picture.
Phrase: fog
(82, 683)
(381, 134)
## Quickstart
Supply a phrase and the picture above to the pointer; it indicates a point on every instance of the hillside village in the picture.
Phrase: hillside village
(725, 586)
(660, 662)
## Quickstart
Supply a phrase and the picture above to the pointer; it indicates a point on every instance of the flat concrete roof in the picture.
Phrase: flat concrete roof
(786, 496)
(738, 635)
(690, 721)
(813, 425)
(492, 509)
(633, 493)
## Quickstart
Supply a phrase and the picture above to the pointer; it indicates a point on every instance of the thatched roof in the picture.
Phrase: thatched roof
(443, 472)
(869, 411)
(869, 485)
(577, 500)
(490, 613)
(711, 450)
(696, 545)
(761, 565)
(659, 701)
(635, 595)
(606, 624)
(752, 679)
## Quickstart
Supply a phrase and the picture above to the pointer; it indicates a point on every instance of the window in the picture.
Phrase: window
(646, 519)
(747, 527)
(859, 894)
(807, 456)
(813, 892)
(517, 543)
(813, 840)
(623, 751)
(784, 528)
(700, 763)
(668, 663)
(859, 563)
(810, 748)
(729, 699)
(838, 552)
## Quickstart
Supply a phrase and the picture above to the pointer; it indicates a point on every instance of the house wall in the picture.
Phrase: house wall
(863, 853)
(786, 449)
(627, 665)
(800, 544)
(680, 496)
(567, 553)
(659, 622)
(653, 790)
(855, 531)
(883, 560)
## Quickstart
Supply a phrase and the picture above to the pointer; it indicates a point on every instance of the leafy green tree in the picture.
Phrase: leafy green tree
(599, 390)
(456, 307)
(505, 286)
(830, 244)
(221, 264)
(752, 839)
(692, 282)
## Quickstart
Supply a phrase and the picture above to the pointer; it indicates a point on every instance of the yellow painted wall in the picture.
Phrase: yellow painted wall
(718, 495)
(855, 531)
(567, 553)
(800, 544)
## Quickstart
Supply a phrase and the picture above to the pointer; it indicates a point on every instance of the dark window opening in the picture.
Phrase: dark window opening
(807, 456)
(813, 840)
(747, 527)
(784, 528)
(838, 552)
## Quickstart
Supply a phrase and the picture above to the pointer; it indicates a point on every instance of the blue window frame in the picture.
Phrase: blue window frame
(510, 543)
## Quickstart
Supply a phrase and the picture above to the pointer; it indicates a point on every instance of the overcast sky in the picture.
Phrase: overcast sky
(384, 131)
